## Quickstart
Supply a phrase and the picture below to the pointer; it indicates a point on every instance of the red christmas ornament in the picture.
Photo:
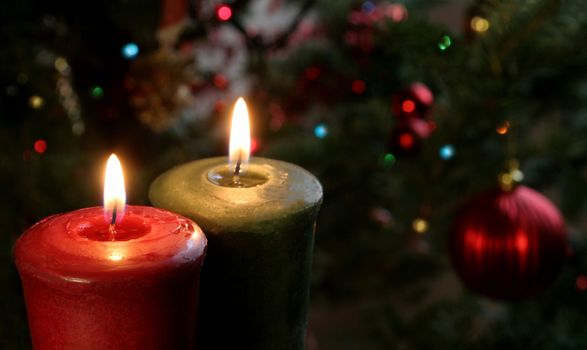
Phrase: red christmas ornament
(509, 245)
(414, 101)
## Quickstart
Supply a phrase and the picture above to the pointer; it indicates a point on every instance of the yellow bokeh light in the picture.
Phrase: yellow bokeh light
(36, 102)
(420, 225)
(506, 181)
(61, 64)
(479, 24)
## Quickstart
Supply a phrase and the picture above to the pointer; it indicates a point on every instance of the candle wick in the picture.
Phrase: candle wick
(113, 221)
(112, 228)
(237, 168)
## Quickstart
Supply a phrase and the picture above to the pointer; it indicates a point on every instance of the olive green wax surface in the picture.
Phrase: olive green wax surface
(255, 279)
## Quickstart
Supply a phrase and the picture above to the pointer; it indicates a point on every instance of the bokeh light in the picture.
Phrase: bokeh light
(368, 6)
(320, 131)
(406, 140)
(503, 128)
(359, 86)
(254, 144)
(444, 43)
(224, 12)
(220, 81)
(36, 102)
(420, 225)
(581, 283)
(61, 64)
(408, 106)
(397, 12)
(130, 51)
(40, 146)
(479, 24)
(97, 92)
(388, 160)
(446, 152)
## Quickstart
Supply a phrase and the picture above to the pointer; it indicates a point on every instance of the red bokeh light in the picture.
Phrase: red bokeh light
(254, 145)
(219, 106)
(40, 146)
(408, 106)
(581, 283)
(359, 86)
(406, 140)
(220, 81)
(224, 13)
(312, 73)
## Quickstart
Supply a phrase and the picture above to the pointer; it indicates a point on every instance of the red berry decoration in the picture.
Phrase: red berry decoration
(509, 245)
(415, 101)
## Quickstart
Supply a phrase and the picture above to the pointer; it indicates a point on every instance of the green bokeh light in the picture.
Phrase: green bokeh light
(97, 92)
(445, 42)
(388, 160)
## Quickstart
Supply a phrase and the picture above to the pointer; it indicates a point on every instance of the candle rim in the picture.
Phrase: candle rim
(299, 190)
(36, 250)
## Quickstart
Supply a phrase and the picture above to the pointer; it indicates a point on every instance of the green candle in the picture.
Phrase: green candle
(259, 220)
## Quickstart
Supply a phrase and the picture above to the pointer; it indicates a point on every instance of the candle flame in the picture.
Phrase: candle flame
(114, 193)
(240, 137)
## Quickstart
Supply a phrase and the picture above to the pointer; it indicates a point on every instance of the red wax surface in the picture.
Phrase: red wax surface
(88, 289)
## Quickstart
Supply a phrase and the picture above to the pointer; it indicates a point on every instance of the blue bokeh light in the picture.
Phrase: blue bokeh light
(320, 131)
(446, 152)
(368, 6)
(130, 51)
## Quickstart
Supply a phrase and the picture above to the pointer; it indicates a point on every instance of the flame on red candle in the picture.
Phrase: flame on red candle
(114, 193)
(240, 138)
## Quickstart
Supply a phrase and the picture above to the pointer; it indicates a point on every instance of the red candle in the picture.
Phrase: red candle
(111, 278)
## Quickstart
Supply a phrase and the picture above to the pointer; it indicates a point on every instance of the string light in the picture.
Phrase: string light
(130, 51)
(517, 175)
(61, 64)
(36, 102)
(254, 145)
(220, 81)
(388, 160)
(581, 283)
(420, 225)
(68, 97)
(397, 12)
(40, 146)
(312, 73)
(479, 24)
(320, 131)
(368, 6)
(406, 140)
(408, 106)
(503, 128)
(97, 92)
(444, 43)
(224, 12)
(506, 181)
(359, 86)
(446, 152)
